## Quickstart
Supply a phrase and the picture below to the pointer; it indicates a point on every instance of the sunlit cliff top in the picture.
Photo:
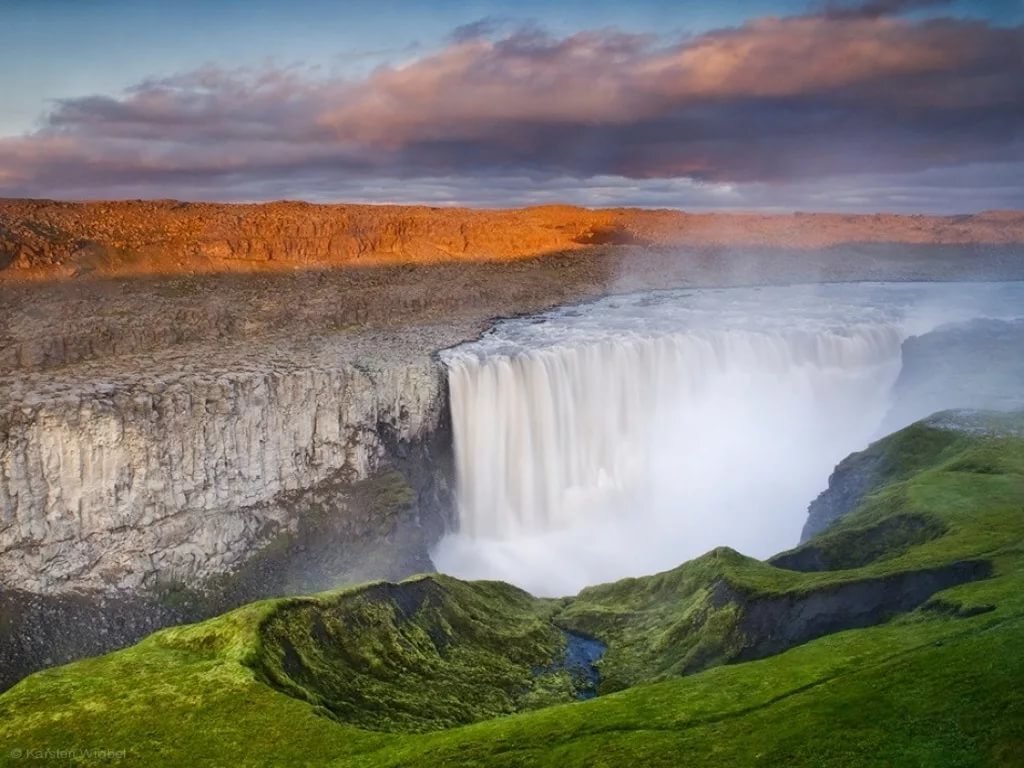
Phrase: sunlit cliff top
(40, 238)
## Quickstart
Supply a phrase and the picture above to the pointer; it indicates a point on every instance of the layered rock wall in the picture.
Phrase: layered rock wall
(116, 481)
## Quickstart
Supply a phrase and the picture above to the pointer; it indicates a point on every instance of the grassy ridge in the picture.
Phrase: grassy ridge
(935, 686)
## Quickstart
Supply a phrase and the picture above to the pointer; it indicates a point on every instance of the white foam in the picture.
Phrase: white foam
(625, 436)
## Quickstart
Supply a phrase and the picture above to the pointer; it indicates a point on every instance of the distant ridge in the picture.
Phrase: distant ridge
(43, 238)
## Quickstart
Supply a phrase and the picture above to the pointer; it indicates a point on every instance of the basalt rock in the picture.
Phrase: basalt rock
(132, 476)
(135, 493)
(969, 365)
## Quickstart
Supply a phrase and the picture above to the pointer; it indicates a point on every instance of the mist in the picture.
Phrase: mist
(625, 436)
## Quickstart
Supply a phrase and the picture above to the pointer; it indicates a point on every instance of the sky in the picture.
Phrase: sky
(846, 105)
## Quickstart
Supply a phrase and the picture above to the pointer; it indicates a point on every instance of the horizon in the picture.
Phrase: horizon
(763, 106)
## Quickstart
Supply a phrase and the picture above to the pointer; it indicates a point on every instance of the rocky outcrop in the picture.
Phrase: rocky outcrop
(970, 365)
(856, 547)
(141, 492)
(40, 237)
(886, 461)
(958, 367)
(772, 625)
(848, 484)
(125, 478)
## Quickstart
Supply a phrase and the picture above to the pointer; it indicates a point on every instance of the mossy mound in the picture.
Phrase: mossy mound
(431, 652)
(904, 651)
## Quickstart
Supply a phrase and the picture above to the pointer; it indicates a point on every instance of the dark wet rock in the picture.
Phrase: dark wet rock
(851, 480)
(857, 547)
(773, 624)
(38, 631)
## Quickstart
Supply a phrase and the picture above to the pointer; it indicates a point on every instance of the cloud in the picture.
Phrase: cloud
(782, 102)
(485, 27)
(873, 9)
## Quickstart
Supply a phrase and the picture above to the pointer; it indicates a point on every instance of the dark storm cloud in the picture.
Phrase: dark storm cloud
(790, 101)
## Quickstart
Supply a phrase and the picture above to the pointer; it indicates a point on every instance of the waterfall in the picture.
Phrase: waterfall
(542, 437)
(627, 436)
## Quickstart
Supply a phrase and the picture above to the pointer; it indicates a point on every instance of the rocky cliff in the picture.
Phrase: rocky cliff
(177, 466)
(974, 364)
(45, 238)
(138, 491)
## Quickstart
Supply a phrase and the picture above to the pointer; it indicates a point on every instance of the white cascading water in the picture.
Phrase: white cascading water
(627, 436)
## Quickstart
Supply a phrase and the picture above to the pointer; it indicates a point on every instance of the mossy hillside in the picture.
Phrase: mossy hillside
(910, 450)
(432, 652)
(895, 457)
(855, 547)
(916, 691)
(662, 625)
(932, 687)
(973, 490)
(921, 513)
(920, 690)
(724, 607)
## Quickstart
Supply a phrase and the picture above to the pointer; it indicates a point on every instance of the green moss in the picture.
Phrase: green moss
(430, 653)
(387, 494)
(855, 547)
(316, 681)
(661, 625)
(910, 450)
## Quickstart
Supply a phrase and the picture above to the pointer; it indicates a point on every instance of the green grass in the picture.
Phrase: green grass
(441, 672)
(430, 653)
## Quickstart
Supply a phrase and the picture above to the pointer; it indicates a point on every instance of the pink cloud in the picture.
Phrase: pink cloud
(773, 100)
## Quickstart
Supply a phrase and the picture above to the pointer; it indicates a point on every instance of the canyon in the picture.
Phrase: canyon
(206, 404)
(901, 624)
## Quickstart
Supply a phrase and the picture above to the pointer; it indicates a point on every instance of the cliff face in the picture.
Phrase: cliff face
(108, 482)
(967, 365)
(42, 238)
(138, 491)
(975, 364)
